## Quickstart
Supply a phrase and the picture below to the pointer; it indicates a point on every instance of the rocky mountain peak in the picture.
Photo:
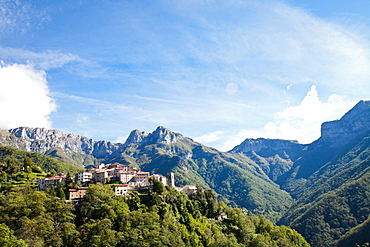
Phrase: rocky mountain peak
(35, 133)
(164, 135)
(136, 136)
(41, 140)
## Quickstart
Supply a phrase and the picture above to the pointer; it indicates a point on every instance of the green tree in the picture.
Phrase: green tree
(3, 177)
(98, 233)
(157, 186)
(99, 203)
(27, 163)
(7, 239)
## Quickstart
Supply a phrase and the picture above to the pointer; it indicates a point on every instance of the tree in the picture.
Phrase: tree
(3, 177)
(98, 204)
(27, 164)
(98, 233)
(7, 239)
(158, 186)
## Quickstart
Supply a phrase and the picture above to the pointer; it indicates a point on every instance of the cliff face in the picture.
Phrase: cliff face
(42, 140)
(354, 123)
(336, 133)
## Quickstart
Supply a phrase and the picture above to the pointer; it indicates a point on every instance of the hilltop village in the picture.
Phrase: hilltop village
(130, 179)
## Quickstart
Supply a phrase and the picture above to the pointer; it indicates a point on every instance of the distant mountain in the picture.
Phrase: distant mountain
(235, 177)
(274, 156)
(335, 136)
(70, 148)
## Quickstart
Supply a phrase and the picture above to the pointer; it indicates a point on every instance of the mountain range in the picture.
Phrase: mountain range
(320, 189)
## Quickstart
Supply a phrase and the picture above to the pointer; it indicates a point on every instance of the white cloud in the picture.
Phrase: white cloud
(209, 137)
(24, 97)
(82, 118)
(301, 122)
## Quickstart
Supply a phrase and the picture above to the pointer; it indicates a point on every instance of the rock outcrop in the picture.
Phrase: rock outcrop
(354, 123)
(269, 147)
(43, 140)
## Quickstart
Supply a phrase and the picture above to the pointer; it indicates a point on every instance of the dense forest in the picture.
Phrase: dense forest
(336, 200)
(160, 216)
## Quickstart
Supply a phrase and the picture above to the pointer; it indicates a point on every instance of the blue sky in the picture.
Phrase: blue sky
(215, 71)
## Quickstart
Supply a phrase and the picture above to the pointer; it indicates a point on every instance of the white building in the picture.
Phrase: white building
(171, 179)
(121, 189)
(160, 178)
(83, 177)
(100, 175)
(125, 177)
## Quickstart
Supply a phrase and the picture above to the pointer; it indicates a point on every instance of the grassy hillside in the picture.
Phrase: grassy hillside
(16, 157)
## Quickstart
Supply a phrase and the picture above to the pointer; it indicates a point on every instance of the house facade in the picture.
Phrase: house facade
(77, 194)
(83, 177)
(50, 182)
(121, 189)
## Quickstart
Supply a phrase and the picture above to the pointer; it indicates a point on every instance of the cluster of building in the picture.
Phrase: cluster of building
(130, 179)
(103, 173)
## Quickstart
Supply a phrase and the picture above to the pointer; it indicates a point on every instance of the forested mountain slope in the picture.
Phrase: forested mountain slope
(359, 235)
(290, 164)
(322, 215)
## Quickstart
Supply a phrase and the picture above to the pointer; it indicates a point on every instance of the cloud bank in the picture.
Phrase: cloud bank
(24, 97)
(300, 122)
